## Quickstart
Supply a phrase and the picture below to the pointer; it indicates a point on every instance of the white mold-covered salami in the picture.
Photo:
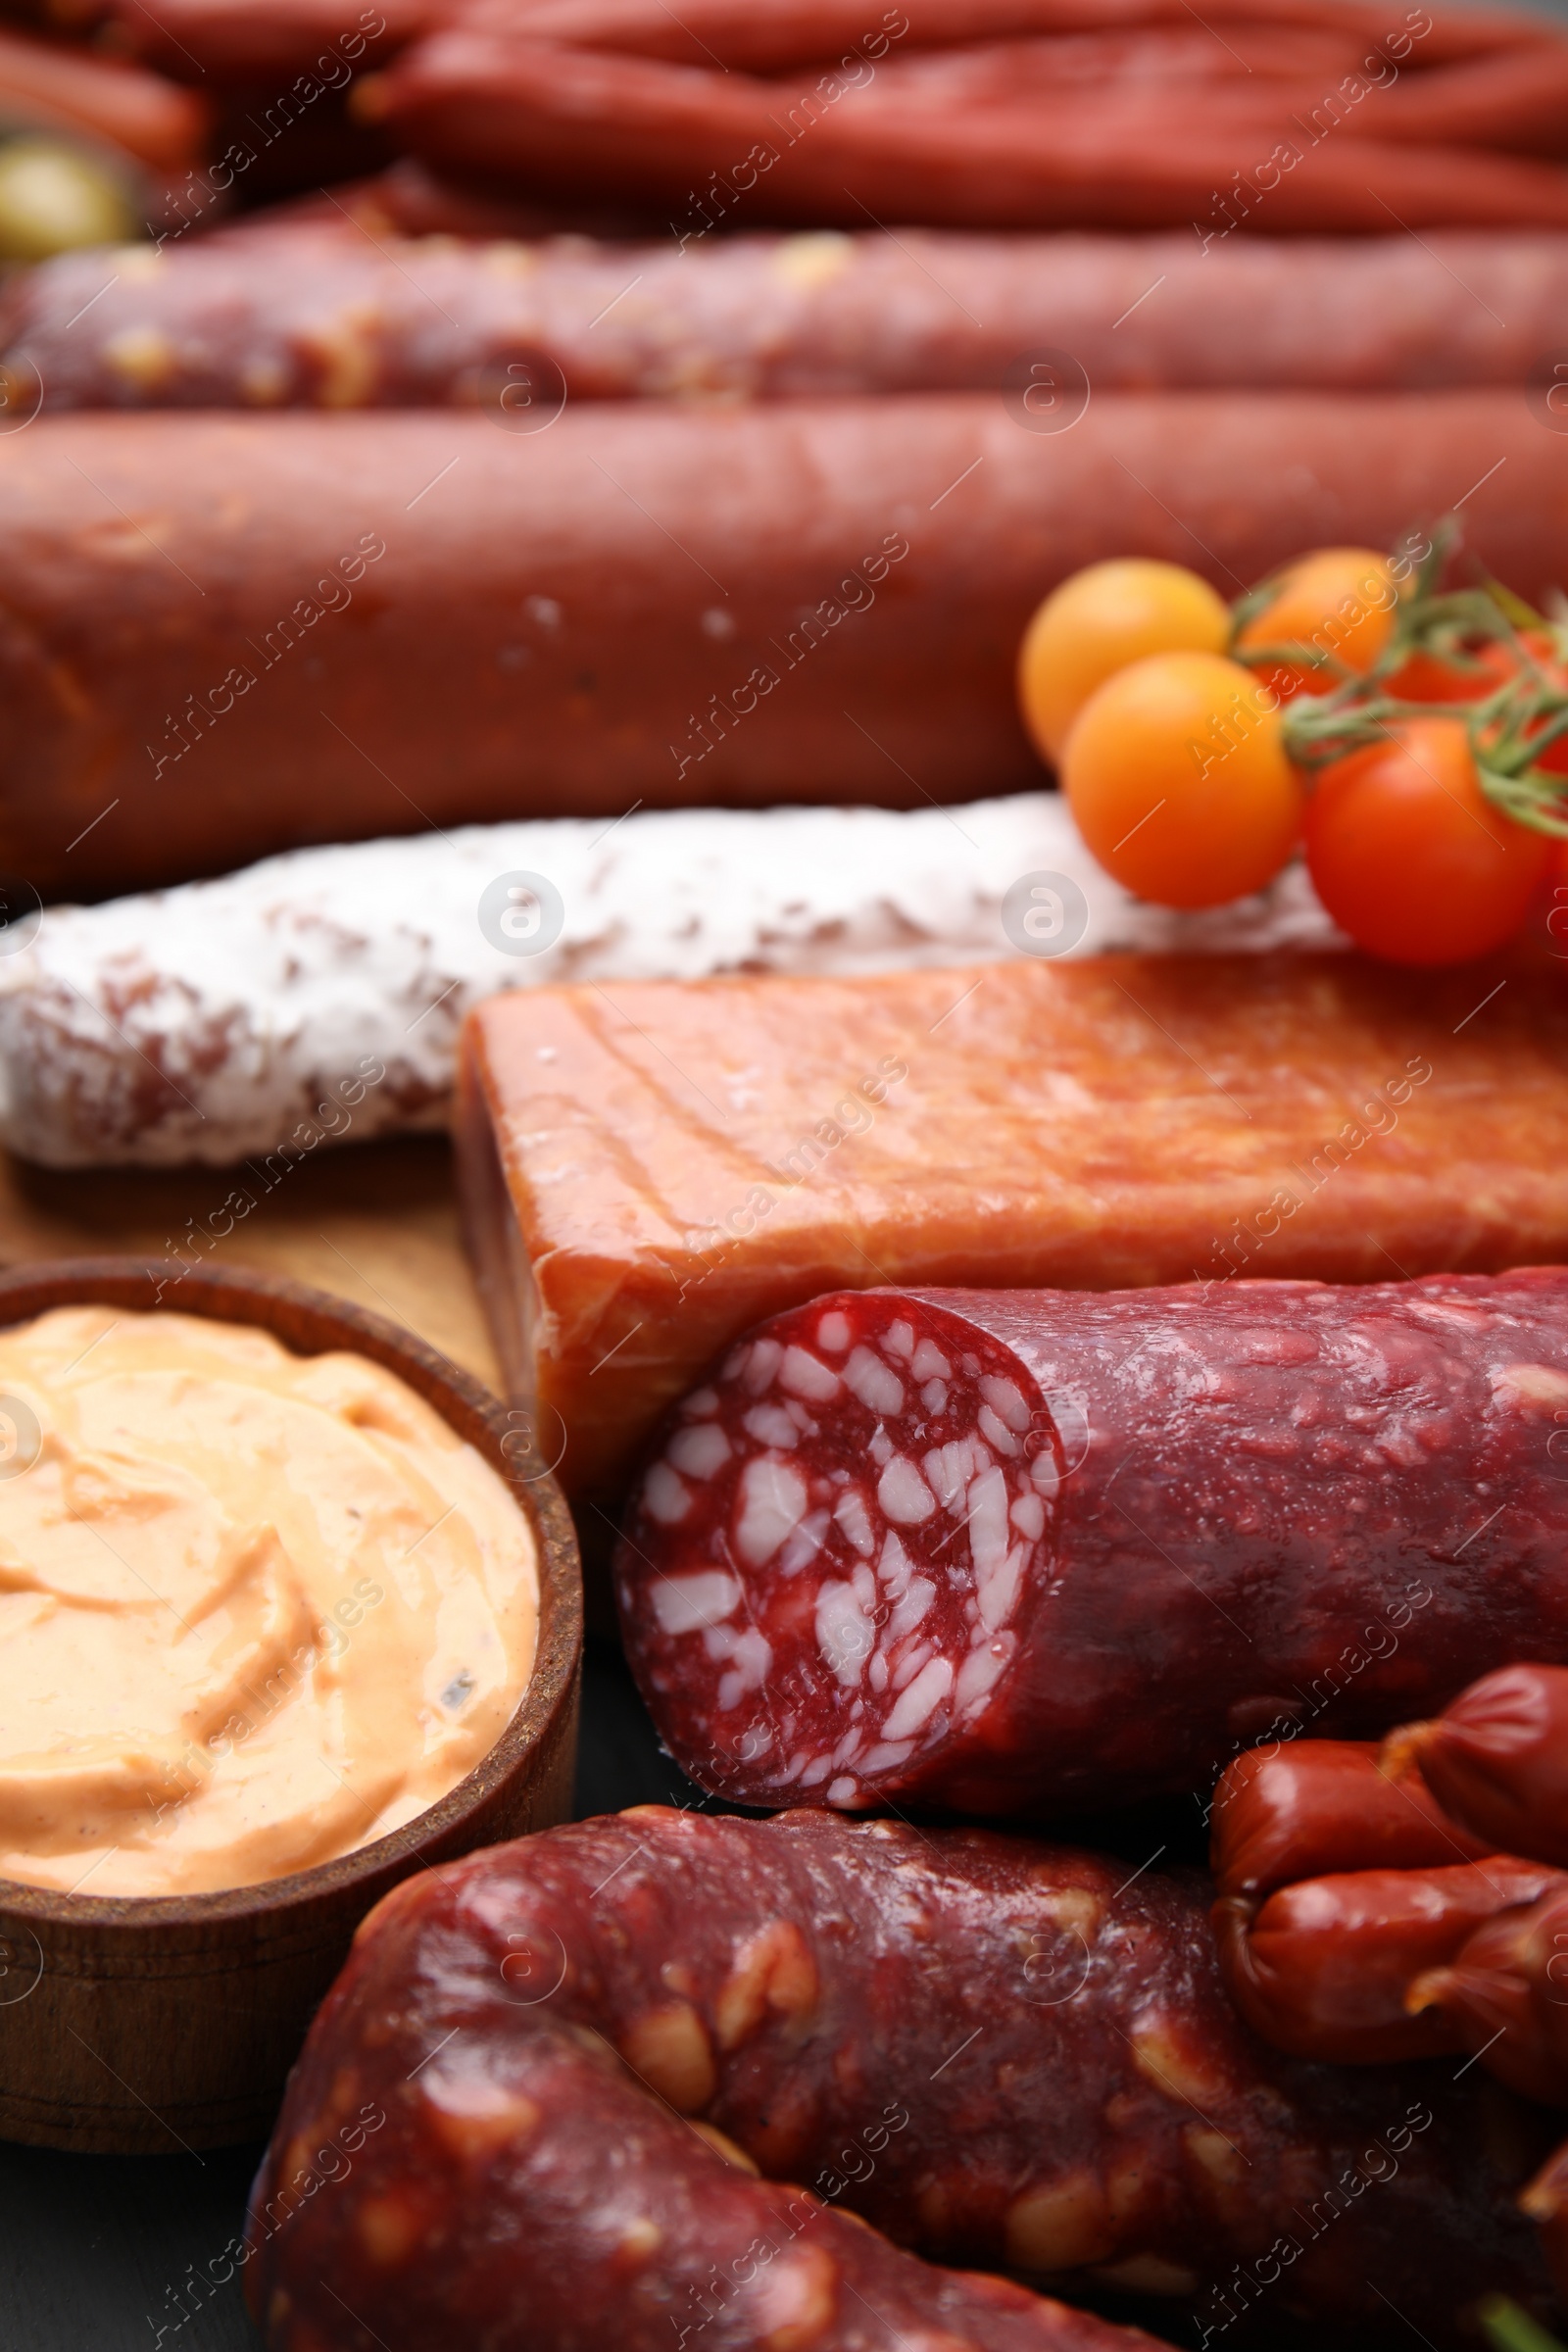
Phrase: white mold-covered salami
(237, 1016)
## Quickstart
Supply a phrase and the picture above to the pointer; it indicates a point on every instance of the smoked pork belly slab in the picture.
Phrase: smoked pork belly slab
(651, 1168)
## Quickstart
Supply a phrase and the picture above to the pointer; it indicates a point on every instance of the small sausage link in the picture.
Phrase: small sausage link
(1505, 1992)
(1313, 1806)
(1545, 2201)
(1498, 1759)
(1323, 1968)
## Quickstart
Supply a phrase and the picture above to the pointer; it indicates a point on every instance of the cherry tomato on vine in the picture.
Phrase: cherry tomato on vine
(1339, 599)
(1409, 855)
(1097, 622)
(1428, 678)
(1176, 773)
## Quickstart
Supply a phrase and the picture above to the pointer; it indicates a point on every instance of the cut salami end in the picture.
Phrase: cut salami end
(881, 1474)
(1042, 1550)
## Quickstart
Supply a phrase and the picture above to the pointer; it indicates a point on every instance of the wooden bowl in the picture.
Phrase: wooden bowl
(132, 2023)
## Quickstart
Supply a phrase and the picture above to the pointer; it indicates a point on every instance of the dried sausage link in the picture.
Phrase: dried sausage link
(996, 2051)
(1020, 1552)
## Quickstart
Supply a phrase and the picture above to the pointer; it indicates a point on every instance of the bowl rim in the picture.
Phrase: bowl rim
(250, 1294)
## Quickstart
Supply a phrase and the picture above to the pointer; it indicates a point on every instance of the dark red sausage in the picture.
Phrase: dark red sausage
(1037, 1549)
(236, 43)
(1497, 1757)
(1546, 2200)
(994, 2050)
(326, 314)
(1505, 1995)
(1323, 1969)
(543, 115)
(740, 605)
(1302, 1808)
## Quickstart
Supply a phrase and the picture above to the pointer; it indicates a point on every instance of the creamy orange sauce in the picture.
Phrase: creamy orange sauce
(256, 1610)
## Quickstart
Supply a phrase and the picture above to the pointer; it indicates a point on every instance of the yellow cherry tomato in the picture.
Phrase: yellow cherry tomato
(1097, 622)
(1177, 775)
(1340, 601)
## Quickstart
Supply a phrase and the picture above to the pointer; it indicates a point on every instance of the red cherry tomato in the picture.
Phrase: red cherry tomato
(1409, 855)
(1427, 678)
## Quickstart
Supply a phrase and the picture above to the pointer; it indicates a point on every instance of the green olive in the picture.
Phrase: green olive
(54, 198)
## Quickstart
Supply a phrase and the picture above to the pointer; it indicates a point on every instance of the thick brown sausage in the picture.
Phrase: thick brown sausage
(325, 315)
(994, 2050)
(224, 636)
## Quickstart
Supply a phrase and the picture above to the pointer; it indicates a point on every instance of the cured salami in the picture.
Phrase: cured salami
(738, 1147)
(522, 2114)
(224, 1019)
(1025, 1551)
(314, 314)
(230, 635)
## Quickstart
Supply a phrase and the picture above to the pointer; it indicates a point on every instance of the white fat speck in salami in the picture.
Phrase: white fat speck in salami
(1014, 1551)
(806, 1375)
(904, 1493)
(878, 1389)
(772, 1504)
(699, 1450)
(684, 1604)
(665, 1496)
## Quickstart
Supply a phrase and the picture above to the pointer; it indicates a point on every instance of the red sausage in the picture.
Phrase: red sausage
(323, 314)
(996, 2050)
(637, 603)
(769, 36)
(1505, 1995)
(163, 126)
(595, 120)
(1036, 1549)
(1546, 2200)
(233, 43)
(1305, 1808)
(1323, 1969)
(1497, 1759)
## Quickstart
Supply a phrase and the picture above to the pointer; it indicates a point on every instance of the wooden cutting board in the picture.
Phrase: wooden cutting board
(376, 1223)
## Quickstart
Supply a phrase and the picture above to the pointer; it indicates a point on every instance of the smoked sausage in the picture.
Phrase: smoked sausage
(998, 2052)
(227, 635)
(1326, 1968)
(1497, 1758)
(320, 316)
(1505, 1995)
(1302, 1809)
(1020, 1552)
(840, 148)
